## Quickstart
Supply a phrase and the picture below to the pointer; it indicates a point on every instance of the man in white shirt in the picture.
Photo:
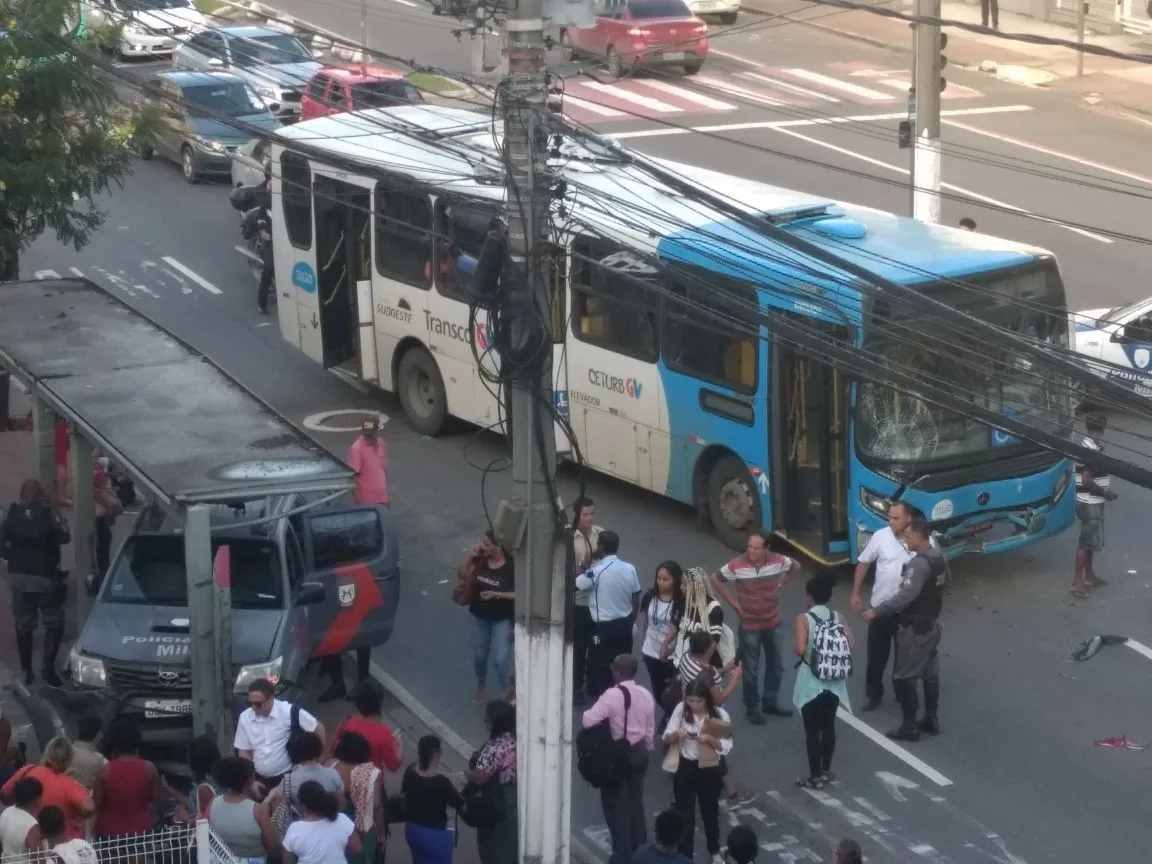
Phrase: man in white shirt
(887, 551)
(614, 593)
(263, 730)
(585, 541)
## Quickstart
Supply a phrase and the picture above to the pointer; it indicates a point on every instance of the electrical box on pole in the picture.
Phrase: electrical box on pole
(904, 134)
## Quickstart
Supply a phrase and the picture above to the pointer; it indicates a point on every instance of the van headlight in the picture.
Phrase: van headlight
(87, 671)
(874, 502)
(248, 674)
(1061, 486)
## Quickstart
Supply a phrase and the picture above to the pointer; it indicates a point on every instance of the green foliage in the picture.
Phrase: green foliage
(66, 134)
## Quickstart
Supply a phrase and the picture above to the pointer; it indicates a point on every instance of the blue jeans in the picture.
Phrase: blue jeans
(752, 644)
(492, 639)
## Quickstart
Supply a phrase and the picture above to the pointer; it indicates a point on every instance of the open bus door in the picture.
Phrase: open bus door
(343, 315)
(810, 451)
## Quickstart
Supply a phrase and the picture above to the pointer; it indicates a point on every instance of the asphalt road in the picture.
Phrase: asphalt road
(1016, 778)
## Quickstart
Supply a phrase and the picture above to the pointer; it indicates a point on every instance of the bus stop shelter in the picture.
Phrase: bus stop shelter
(189, 435)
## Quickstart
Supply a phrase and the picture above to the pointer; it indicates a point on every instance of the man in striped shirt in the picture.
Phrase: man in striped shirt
(758, 576)
(1092, 492)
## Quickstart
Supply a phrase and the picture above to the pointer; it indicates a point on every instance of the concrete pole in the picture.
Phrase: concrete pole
(926, 141)
(206, 686)
(83, 521)
(1081, 11)
(44, 442)
(543, 655)
(364, 31)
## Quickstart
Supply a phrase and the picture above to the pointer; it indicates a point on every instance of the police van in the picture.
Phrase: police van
(1119, 340)
(307, 581)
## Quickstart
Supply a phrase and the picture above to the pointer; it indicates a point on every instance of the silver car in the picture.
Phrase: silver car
(275, 64)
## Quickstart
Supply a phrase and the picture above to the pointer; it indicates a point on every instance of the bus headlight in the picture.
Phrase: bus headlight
(1061, 486)
(876, 503)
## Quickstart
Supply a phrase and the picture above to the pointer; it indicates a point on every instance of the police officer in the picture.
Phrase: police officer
(268, 270)
(30, 539)
(917, 605)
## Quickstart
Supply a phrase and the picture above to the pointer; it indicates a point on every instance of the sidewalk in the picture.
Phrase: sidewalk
(1122, 83)
(411, 729)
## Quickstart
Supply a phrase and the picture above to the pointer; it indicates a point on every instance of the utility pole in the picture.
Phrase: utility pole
(209, 629)
(543, 653)
(1081, 12)
(929, 83)
(364, 29)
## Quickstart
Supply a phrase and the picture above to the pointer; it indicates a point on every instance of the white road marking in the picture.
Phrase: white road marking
(599, 837)
(784, 85)
(1139, 648)
(689, 96)
(837, 84)
(116, 281)
(320, 422)
(895, 749)
(861, 821)
(46, 274)
(617, 92)
(76, 271)
(146, 290)
(951, 186)
(822, 121)
(731, 89)
(1048, 151)
(594, 107)
(877, 73)
(192, 274)
(894, 83)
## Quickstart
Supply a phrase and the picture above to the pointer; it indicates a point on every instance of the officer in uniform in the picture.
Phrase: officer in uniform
(917, 605)
(30, 539)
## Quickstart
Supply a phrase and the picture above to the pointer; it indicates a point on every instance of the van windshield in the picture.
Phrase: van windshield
(151, 572)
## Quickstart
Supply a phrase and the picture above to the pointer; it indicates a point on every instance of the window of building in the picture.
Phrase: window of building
(345, 538)
(706, 323)
(296, 195)
(403, 235)
(460, 228)
(611, 306)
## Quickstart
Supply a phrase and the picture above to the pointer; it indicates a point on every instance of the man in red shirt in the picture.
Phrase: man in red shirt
(758, 575)
(368, 457)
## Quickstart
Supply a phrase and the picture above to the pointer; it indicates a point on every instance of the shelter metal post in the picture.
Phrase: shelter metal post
(83, 520)
(44, 444)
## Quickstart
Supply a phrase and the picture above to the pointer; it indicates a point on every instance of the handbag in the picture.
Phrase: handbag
(282, 814)
(671, 761)
(396, 809)
(483, 803)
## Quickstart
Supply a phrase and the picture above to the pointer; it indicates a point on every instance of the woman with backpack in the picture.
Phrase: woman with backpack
(824, 646)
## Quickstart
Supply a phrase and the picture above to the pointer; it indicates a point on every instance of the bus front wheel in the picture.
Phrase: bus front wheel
(421, 391)
(733, 505)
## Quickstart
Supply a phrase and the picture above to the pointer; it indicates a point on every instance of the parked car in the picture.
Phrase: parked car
(251, 162)
(642, 33)
(355, 87)
(273, 63)
(150, 28)
(725, 11)
(197, 107)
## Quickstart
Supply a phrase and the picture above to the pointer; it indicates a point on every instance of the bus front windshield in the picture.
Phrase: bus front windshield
(898, 427)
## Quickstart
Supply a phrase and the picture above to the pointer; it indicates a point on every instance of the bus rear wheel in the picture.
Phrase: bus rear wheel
(421, 391)
(733, 504)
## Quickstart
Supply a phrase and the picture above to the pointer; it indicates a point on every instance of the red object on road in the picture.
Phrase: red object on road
(646, 33)
(355, 87)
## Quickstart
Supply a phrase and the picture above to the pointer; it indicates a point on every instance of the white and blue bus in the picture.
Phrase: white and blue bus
(741, 426)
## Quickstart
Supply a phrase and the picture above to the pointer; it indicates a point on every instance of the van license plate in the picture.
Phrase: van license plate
(674, 55)
(156, 708)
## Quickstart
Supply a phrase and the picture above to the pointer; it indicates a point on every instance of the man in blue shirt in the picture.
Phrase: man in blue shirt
(613, 594)
(669, 829)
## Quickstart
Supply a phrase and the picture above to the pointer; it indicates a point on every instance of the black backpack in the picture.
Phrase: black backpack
(600, 758)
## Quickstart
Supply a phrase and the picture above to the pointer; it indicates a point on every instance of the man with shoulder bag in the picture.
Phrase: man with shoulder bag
(30, 539)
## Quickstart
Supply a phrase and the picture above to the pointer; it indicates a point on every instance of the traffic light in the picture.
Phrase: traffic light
(943, 61)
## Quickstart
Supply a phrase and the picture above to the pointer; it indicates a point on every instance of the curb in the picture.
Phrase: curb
(579, 852)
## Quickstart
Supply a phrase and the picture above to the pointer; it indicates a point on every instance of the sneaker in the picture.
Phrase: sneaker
(905, 733)
(756, 718)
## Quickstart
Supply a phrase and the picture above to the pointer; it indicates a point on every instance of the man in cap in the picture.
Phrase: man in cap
(368, 457)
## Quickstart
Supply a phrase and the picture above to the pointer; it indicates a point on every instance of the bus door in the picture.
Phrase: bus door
(809, 449)
(344, 276)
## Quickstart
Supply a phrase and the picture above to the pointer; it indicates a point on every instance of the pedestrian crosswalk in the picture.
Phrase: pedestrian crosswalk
(663, 96)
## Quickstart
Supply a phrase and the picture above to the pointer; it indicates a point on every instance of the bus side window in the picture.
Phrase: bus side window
(296, 198)
(403, 236)
(711, 346)
(608, 308)
(459, 228)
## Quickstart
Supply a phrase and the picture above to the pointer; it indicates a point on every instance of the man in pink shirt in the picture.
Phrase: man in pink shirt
(368, 457)
(631, 718)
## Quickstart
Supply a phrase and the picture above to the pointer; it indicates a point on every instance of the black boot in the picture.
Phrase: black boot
(908, 698)
(930, 725)
(24, 649)
(334, 667)
(53, 636)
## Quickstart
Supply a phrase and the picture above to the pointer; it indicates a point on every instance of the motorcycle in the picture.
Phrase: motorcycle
(255, 228)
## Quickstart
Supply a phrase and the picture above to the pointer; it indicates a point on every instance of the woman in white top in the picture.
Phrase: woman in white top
(323, 834)
(17, 824)
(693, 784)
(662, 607)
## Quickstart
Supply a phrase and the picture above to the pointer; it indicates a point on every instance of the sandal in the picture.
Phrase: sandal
(811, 783)
(1097, 582)
(828, 777)
(1078, 593)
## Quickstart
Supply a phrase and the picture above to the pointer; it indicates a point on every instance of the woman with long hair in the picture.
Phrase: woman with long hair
(365, 785)
(427, 796)
(59, 790)
(663, 607)
(702, 611)
(322, 834)
(127, 790)
(495, 762)
(241, 824)
(693, 783)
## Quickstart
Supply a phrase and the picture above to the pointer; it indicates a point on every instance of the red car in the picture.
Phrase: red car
(335, 89)
(642, 33)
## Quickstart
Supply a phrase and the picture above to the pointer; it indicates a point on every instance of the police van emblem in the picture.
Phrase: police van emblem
(169, 678)
(347, 594)
(1140, 358)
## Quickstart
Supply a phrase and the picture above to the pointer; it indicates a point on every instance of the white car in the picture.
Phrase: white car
(151, 28)
(726, 11)
(1122, 339)
(248, 162)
